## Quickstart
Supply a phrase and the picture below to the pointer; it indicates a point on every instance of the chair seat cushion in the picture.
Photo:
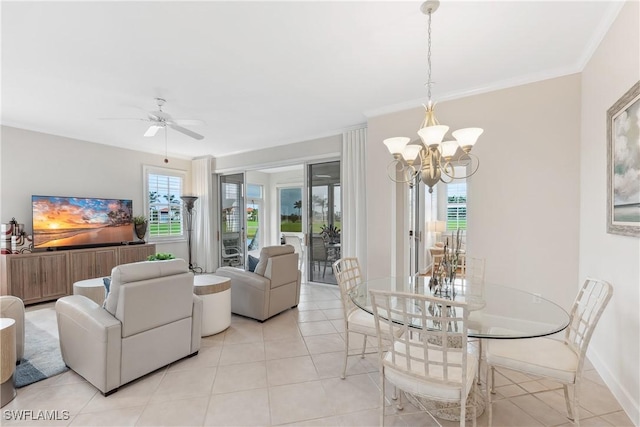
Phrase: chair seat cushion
(423, 387)
(362, 322)
(538, 356)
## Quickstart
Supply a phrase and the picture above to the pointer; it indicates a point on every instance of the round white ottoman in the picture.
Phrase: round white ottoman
(215, 292)
(91, 288)
(7, 360)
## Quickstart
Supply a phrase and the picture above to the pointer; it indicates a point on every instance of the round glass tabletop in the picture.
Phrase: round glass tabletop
(494, 311)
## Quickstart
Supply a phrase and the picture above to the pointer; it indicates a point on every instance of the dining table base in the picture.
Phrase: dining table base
(450, 411)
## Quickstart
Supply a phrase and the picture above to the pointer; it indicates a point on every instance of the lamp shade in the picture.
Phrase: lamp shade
(410, 152)
(189, 201)
(432, 135)
(448, 149)
(467, 137)
(396, 144)
(437, 226)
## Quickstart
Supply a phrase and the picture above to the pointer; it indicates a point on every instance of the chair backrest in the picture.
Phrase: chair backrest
(273, 251)
(428, 336)
(349, 276)
(148, 294)
(318, 249)
(593, 297)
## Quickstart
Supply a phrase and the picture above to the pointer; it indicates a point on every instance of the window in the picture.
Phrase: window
(164, 206)
(291, 210)
(457, 205)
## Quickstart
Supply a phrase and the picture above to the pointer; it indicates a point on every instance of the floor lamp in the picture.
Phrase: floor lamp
(188, 204)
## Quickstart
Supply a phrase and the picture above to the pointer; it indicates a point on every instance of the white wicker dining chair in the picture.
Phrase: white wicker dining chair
(428, 353)
(356, 320)
(561, 360)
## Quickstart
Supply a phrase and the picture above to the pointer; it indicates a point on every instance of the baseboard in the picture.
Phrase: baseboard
(629, 405)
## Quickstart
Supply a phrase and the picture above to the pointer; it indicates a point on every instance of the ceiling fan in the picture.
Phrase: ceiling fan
(159, 119)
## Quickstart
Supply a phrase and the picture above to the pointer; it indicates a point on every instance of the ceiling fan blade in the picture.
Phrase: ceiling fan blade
(153, 129)
(186, 131)
(188, 122)
(122, 118)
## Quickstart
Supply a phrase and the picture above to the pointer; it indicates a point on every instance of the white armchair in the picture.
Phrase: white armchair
(13, 308)
(150, 318)
(272, 288)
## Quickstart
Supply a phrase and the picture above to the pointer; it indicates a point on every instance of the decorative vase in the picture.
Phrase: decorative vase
(141, 230)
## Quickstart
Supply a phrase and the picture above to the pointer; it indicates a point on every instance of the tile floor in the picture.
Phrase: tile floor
(286, 371)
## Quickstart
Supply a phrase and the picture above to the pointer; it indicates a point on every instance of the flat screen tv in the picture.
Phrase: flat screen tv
(76, 222)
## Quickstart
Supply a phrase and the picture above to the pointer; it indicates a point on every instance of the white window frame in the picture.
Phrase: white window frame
(154, 170)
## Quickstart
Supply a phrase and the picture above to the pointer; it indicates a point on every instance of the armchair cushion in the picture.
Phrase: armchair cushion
(137, 272)
(268, 252)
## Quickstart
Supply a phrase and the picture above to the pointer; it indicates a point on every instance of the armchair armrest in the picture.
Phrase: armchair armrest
(247, 278)
(196, 324)
(90, 341)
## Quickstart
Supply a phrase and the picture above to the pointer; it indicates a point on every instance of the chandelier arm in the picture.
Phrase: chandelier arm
(408, 171)
(465, 160)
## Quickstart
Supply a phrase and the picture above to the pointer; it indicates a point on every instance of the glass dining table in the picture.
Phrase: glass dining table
(495, 311)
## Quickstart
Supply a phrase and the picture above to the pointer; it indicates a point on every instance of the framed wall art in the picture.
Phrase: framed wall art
(623, 164)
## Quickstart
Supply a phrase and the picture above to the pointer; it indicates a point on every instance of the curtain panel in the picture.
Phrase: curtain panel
(203, 232)
(354, 203)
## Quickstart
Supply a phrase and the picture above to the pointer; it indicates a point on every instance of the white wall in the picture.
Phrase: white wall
(38, 163)
(615, 349)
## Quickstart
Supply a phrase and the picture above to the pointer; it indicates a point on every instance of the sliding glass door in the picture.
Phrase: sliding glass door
(232, 220)
(324, 220)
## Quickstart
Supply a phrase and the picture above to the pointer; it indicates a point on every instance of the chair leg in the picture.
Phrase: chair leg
(364, 346)
(489, 381)
(475, 404)
(382, 396)
(346, 355)
(463, 409)
(576, 405)
(566, 399)
(493, 379)
(479, 358)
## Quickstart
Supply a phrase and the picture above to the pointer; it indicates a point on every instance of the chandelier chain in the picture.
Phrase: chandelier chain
(429, 82)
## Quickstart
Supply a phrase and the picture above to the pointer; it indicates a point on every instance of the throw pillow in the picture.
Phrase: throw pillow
(253, 262)
(107, 284)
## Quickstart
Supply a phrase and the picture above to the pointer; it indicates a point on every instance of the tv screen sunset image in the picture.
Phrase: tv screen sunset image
(71, 221)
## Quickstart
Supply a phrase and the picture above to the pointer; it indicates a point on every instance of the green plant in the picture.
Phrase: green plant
(160, 256)
(139, 219)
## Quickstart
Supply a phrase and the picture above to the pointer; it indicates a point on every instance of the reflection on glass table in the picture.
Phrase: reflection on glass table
(518, 313)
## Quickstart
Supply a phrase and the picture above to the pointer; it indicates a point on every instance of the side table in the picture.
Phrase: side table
(91, 288)
(7, 359)
(215, 292)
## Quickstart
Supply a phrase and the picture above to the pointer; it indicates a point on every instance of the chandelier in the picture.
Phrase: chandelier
(430, 157)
